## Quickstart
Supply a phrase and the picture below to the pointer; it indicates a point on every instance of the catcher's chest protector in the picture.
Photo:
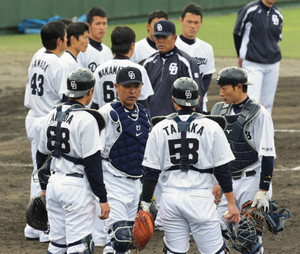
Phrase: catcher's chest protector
(244, 153)
(127, 153)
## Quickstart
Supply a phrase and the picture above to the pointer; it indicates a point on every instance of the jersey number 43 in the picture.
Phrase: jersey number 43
(37, 84)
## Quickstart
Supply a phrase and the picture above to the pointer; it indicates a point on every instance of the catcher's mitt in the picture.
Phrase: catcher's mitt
(143, 229)
(36, 214)
(254, 214)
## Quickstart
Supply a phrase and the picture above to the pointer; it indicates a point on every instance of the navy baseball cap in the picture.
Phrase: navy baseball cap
(164, 28)
(129, 75)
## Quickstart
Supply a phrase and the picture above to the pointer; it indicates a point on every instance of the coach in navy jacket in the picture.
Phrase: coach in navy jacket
(257, 31)
(165, 66)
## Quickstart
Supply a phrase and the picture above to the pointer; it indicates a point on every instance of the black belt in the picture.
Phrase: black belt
(248, 173)
(128, 177)
(71, 174)
(202, 171)
(75, 175)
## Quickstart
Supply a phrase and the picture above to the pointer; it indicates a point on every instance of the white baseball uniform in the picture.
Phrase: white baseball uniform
(69, 63)
(123, 187)
(42, 93)
(70, 202)
(92, 57)
(260, 134)
(105, 75)
(187, 203)
(203, 54)
(142, 50)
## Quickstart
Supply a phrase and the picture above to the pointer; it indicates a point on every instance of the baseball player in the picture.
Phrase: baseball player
(182, 149)
(146, 47)
(43, 49)
(71, 134)
(165, 66)
(96, 53)
(122, 40)
(42, 93)
(123, 140)
(256, 33)
(201, 51)
(250, 133)
(78, 40)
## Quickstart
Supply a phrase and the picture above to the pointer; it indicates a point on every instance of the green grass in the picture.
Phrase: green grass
(216, 30)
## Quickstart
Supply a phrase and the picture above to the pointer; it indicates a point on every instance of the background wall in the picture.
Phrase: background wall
(14, 11)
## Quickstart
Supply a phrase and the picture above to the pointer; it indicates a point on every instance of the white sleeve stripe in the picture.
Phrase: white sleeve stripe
(252, 9)
(186, 62)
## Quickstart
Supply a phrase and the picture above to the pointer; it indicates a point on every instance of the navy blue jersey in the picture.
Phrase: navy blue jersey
(257, 32)
(163, 70)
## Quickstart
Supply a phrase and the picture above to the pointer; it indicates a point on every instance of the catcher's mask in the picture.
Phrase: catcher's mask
(243, 236)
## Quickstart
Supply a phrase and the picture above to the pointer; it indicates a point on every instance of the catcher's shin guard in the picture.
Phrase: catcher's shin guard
(166, 250)
(88, 243)
(122, 235)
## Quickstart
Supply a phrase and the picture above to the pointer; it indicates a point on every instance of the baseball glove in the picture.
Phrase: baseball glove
(143, 229)
(253, 214)
(36, 214)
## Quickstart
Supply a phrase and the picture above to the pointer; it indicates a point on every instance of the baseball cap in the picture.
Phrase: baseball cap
(164, 28)
(129, 75)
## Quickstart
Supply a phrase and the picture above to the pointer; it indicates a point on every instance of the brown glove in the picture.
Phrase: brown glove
(254, 214)
(142, 229)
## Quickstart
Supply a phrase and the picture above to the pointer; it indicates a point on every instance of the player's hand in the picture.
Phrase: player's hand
(105, 210)
(240, 62)
(43, 193)
(261, 200)
(232, 214)
(217, 192)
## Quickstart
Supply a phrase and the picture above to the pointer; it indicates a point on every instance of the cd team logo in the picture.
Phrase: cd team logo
(188, 94)
(131, 75)
(159, 27)
(73, 85)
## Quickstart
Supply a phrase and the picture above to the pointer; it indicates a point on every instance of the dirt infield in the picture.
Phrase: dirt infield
(16, 168)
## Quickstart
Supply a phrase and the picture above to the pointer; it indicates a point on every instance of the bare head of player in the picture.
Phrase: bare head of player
(129, 85)
(233, 82)
(191, 20)
(97, 20)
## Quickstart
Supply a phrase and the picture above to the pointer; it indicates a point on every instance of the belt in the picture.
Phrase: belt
(71, 174)
(75, 175)
(127, 177)
(248, 173)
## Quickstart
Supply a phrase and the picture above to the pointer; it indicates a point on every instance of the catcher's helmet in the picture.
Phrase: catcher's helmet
(79, 83)
(185, 92)
(232, 76)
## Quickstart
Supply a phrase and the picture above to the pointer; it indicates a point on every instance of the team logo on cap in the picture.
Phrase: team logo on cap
(131, 75)
(73, 85)
(188, 94)
(159, 27)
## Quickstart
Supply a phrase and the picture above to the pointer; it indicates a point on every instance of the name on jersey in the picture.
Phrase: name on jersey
(67, 118)
(40, 63)
(200, 61)
(194, 128)
(109, 71)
